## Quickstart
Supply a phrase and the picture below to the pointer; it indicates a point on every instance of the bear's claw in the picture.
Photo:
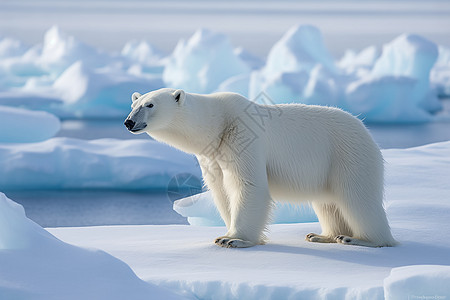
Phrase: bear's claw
(232, 243)
(342, 239)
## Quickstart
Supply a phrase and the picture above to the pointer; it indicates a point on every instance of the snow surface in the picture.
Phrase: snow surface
(36, 265)
(60, 163)
(20, 125)
(72, 79)
(184, 258)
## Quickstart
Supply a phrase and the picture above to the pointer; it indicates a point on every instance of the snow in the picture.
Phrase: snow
(66, 163)
(36, 265)
(288, 267)
(20, 125)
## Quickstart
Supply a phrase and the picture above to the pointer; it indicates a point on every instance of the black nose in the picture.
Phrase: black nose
(129, 124)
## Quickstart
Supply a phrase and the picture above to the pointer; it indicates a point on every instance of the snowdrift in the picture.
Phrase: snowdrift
(36, 265)
(399, 83)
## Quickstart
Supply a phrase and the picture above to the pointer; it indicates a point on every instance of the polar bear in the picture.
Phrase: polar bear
(250, 154)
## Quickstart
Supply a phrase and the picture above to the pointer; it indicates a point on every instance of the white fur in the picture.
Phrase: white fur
(250, 154)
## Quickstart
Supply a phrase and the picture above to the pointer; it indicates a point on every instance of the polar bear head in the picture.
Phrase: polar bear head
(154, 111)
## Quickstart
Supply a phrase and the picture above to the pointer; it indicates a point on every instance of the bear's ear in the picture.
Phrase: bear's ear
(135, 96)
(179, 96)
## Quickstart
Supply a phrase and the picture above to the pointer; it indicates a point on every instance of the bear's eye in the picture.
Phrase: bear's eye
(150, 105)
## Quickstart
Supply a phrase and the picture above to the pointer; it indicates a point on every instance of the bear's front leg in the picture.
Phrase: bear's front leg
(246, 186)
(213, 176)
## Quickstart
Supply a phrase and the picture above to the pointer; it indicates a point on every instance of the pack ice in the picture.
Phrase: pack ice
(71, 79)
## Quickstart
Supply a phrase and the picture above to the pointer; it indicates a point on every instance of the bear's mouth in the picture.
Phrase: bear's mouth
(138, 127)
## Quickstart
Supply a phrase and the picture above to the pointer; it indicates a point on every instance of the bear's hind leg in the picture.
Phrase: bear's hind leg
(332, 223)
(369, 225)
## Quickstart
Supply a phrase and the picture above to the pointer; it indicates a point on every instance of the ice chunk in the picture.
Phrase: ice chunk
(202, 63)
(324, 88)
(418, 282)
(283, 87)
(101, 93)
(142, 52)
(144, 58)
(289, 63)
(21, 126)
(107, 163)
(440, 74)
(29, 99)
(200, 210)
(61, 50)
(300, 49)
(11, 47)
(384, 99)
(36, 265)
(398, 88)
(251, 60)
(412, 56)
(359, 63)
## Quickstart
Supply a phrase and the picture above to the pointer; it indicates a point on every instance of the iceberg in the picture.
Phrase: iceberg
(352, 61)
(66, 163)
(289, 63)
(71, 79)
(10, 47)
(101, 93)
(142, 52)
(411, 56)
(391, 86)
(202, 63)
(398, 84)
(60, 50)
(144, 58)
(440, 74)
(26, 126)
